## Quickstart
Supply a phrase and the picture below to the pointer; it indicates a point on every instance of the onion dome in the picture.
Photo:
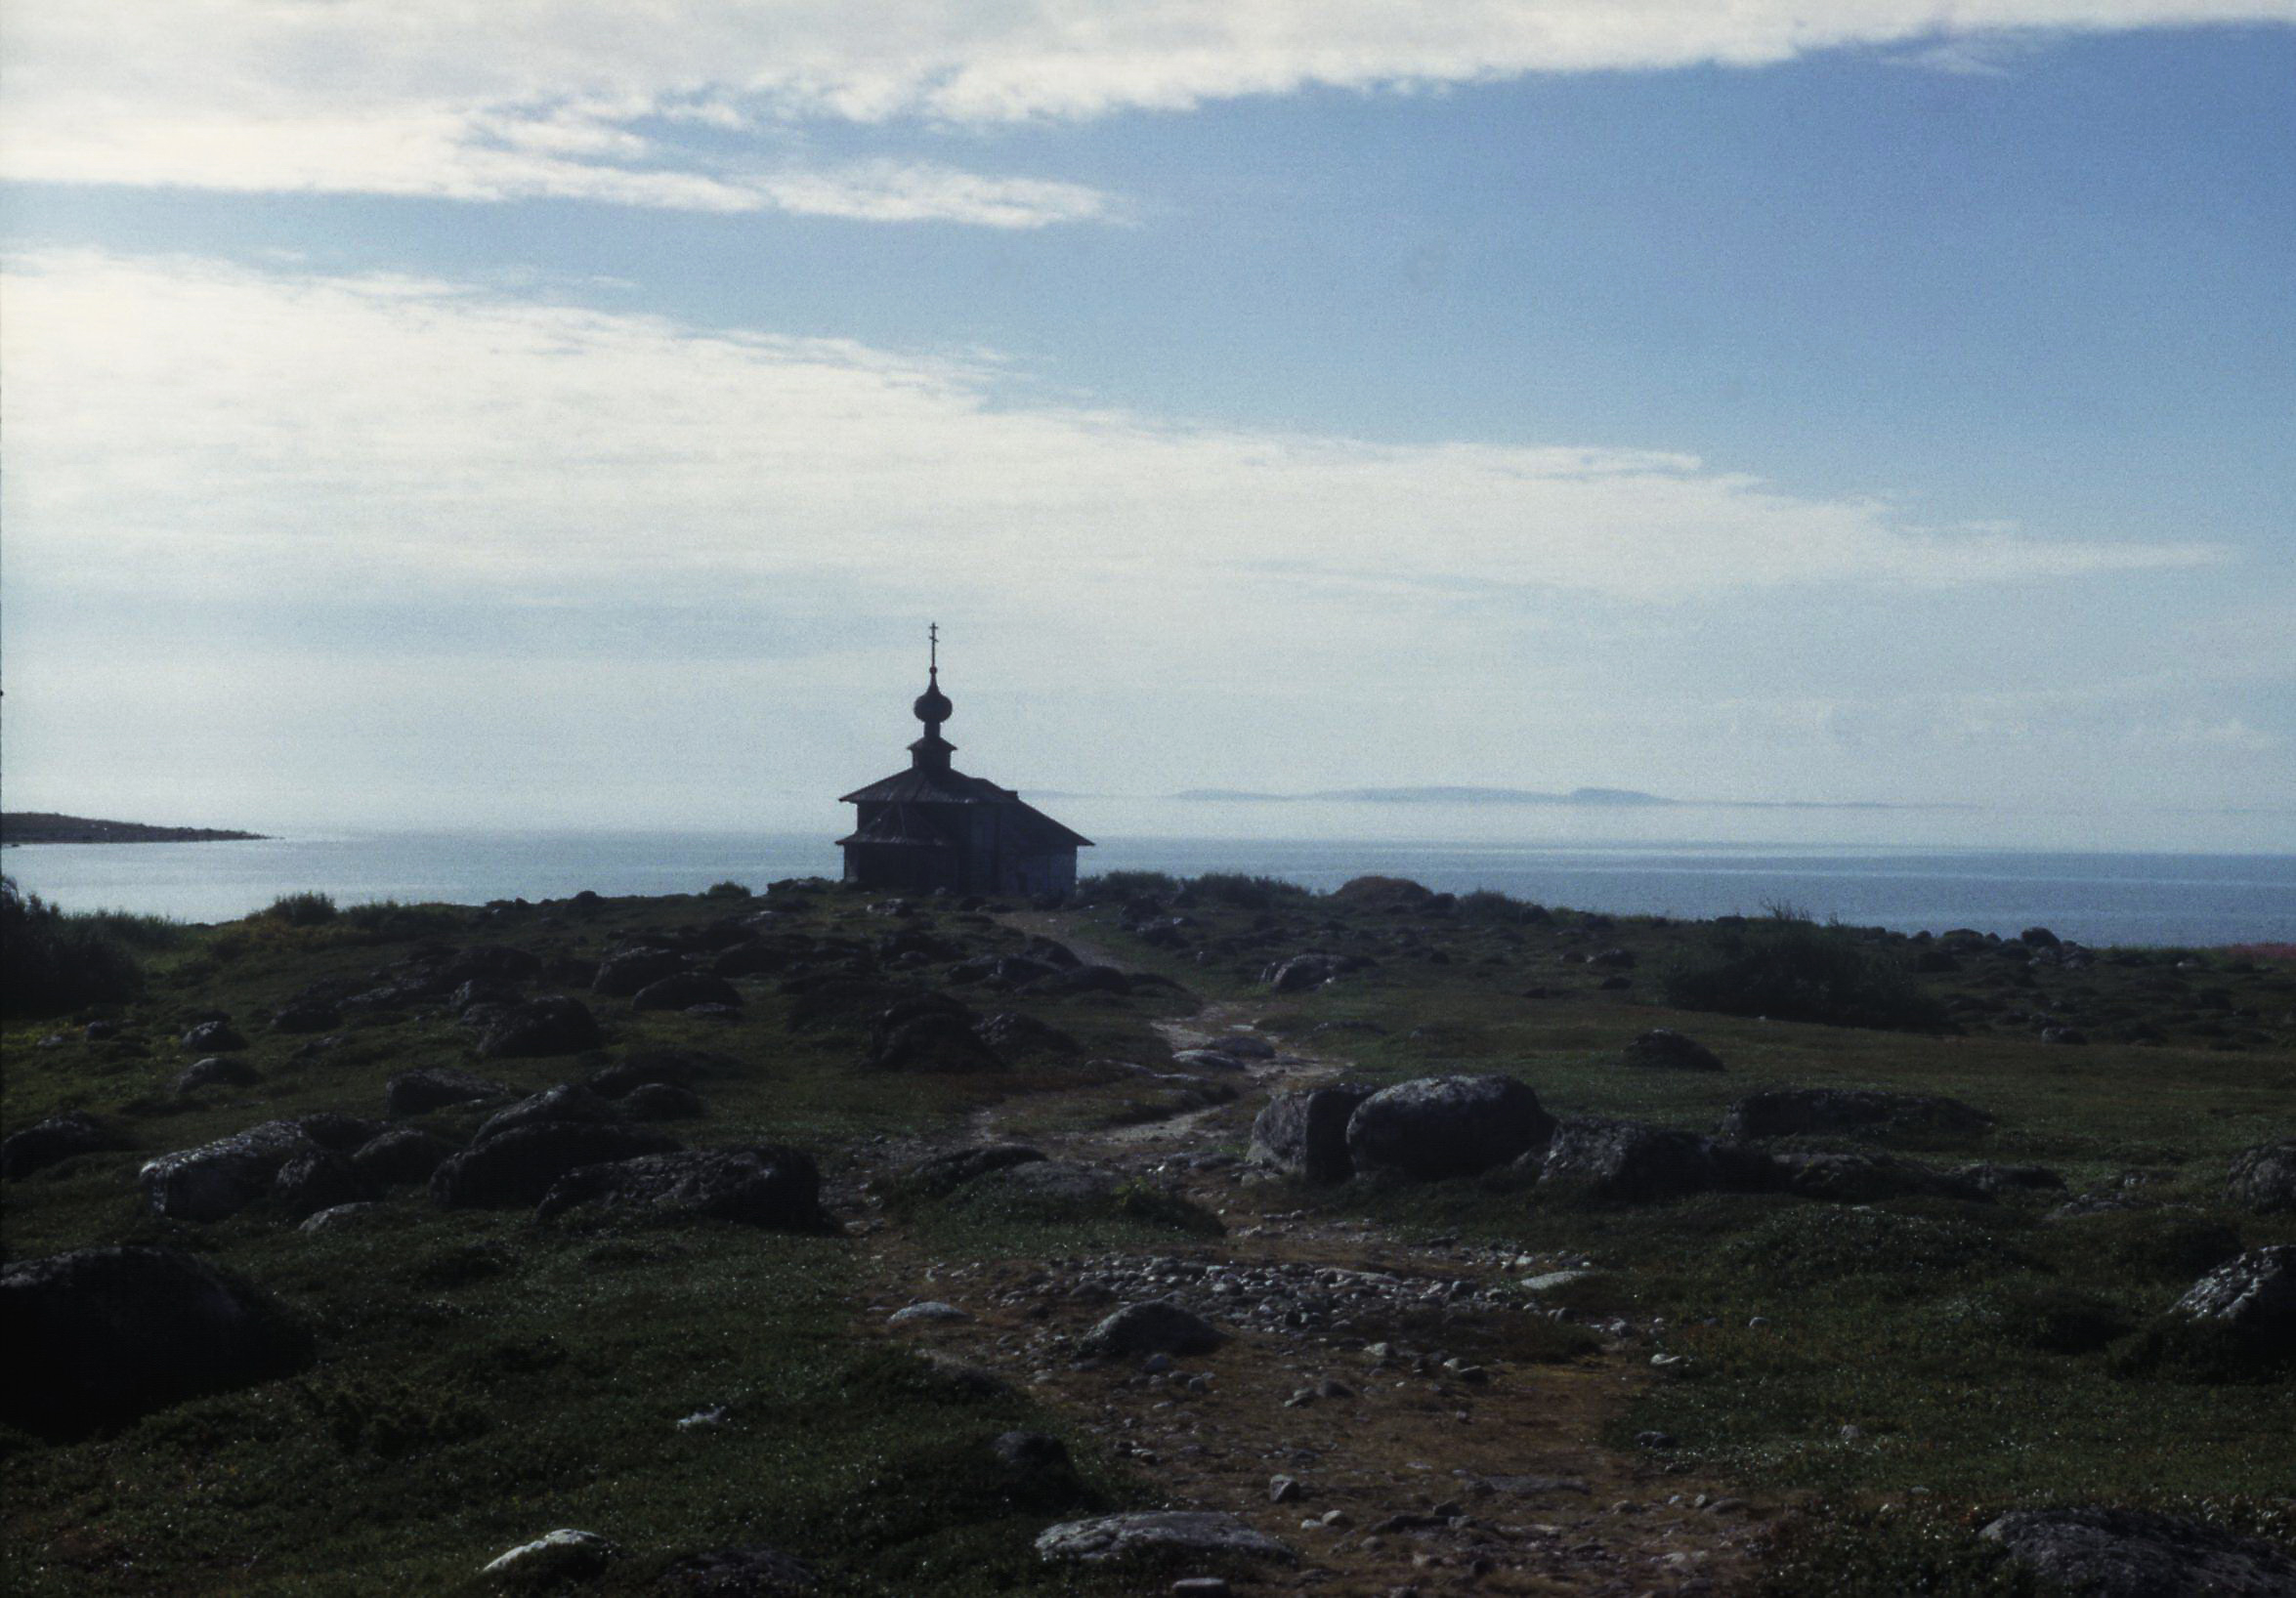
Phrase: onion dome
(932, 706)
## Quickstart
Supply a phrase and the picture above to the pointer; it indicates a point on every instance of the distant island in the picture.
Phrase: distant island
(45, 826)
(1609, 798)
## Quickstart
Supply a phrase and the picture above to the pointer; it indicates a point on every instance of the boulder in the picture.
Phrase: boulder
(217, 1071)
(1033, 1471)
(1628, 1162)
(320, 1179)
(623, 972)
(498, 962)
(307, 1017)
(1301, 974)
(1166, 1532)
(1997, 1179)
(932, 1033)
(518, 1166)
(102, 1335)
(554, 1559)
(661, 1101)
(2263, 1179)
(1084, 979)
(1789, 1111)
(1207, 1060)
(1443, 1126)
(333, 1129)
(1304, 1134)
(1058, 1185)
(762, 1185)
(2099, 1552)
(683, 989)
(220, 1179)
(213, 1038)
(1664, 1049)
(482, 991)
(1157, 1326)
(1866, 1178)
(1242, 1046)
(54, 1139)
(557, 1025)
(398, 1158)
(1016, 1037)
(2252, 1293)
(348, 1217)
(416, 1092)
(947, 1172)
(566, 1101)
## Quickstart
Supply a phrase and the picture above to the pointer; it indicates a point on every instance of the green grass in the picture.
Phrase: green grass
(484, 1379)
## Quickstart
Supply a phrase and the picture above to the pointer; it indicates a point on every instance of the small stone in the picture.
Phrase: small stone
(1283, 1490)
(1852, 1434)
(929, 1310)
(578, 1549)
(717, 1415)
(1202, 1586)
(1156, 1364)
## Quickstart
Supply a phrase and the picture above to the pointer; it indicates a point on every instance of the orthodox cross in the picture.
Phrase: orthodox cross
(933, 635)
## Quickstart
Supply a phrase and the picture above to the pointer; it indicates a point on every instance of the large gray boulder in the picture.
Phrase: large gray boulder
(1056, 1184)
(1868, 1178)
(944, 1174)
(681, 990)
(762, 1185)
(1304, 1134)
(557, 1024)
(1790, 1111)
(1302, 973)
(102, 1335)
(1443, 1126)
(566, 1101)
(1664, 1049)
(518, 1167)
(2263, 1179)
(623, 973)
(54, 1139)
(417, 1092)
(219, 1179)
(931, 1034)
(1164, 1532)
(399, 1157)
(2253, 1293)
(1629, 1163)
(2102, 1552)
(1157, 1326)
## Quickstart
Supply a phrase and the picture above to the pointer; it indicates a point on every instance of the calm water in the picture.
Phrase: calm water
(2093, 898)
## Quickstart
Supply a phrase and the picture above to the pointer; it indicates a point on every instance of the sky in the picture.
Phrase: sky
(570, 413)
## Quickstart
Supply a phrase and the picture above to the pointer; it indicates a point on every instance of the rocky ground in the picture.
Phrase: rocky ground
(1184, 1238)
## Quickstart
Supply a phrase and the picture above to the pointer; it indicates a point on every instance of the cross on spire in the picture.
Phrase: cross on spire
(934, 634)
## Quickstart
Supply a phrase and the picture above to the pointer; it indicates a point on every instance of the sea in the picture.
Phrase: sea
(2101, 898)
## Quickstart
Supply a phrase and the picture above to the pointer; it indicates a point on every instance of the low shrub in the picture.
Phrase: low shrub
(304, 910)
(56, 962)
(1127, 885)
(1241, 891)
(726, 890)
(1786, 967)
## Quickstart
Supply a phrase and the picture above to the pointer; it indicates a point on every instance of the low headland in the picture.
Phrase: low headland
(1211, 1232)
(26, 826)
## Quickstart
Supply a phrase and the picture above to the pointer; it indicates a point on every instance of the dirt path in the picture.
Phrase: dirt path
(1433, 1445)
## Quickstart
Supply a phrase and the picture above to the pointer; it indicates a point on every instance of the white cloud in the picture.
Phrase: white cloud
(550, 97)
(192, 426)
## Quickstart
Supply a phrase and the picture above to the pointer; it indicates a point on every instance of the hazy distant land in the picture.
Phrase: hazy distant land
(1614, 798)
(46, 827)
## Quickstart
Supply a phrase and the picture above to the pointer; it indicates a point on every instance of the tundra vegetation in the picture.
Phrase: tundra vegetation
(808, 1240)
